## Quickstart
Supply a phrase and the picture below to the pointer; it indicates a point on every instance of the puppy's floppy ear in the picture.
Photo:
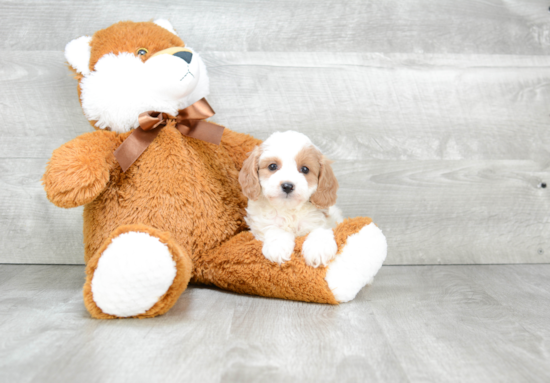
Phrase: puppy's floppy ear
(248, 176)
(325, 195)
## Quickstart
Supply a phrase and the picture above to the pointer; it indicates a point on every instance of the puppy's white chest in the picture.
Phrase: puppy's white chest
(300, 221)
(291, 223)
(261, 218)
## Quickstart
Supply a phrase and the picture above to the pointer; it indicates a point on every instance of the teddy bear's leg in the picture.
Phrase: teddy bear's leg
(239, 265)
(362, 249)
(139, 272)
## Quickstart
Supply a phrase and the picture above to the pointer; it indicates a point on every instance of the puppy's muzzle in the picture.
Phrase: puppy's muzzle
(287, 187)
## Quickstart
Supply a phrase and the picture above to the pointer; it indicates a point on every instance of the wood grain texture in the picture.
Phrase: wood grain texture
(436, 113)
(450, 170)
(354, 106)
(444, 212)
(399, 106)
(33, 229)
(415, 324)
(432, 212)
(467, 323)
(422, 26)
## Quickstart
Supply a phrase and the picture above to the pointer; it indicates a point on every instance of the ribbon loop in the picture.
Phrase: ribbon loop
(150, 120)
(189, 121)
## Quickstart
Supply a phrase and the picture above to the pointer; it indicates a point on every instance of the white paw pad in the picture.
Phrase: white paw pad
(319, 247)
(132, 274)
(279, 248)
(358, 263)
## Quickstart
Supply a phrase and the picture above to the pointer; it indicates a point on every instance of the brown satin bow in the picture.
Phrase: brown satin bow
(189, 121)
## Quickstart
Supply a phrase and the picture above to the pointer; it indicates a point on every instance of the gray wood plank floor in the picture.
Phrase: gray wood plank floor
(415, 324)
(436, 113)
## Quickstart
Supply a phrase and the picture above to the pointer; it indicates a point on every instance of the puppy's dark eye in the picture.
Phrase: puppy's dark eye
(142, 52)
(304, 169)
(272, 167)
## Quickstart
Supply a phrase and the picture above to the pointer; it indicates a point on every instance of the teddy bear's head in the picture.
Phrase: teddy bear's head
(130, 68)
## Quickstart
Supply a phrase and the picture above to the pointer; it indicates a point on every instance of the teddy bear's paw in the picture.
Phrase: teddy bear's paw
(279, 248)
(357, 264)
(319, 247)
(133, 273)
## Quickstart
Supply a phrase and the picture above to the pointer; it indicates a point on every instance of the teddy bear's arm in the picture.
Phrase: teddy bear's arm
(239, 145)
(79, 169)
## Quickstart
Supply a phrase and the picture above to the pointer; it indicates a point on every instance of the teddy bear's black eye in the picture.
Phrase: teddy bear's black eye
(304, 169)
(272, 167)
(142, 52)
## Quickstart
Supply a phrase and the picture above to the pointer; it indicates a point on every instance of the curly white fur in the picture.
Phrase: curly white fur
(277, 217)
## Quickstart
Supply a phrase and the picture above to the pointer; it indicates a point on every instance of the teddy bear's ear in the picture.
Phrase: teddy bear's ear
(166, 25)
(77, 53)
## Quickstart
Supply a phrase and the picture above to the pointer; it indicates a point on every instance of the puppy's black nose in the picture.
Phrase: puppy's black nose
(185, 56)
(287, 187)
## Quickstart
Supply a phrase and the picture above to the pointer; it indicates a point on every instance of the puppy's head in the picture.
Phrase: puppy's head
(288, 170)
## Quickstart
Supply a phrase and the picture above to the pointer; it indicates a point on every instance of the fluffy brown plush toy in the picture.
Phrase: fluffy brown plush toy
(162, 203)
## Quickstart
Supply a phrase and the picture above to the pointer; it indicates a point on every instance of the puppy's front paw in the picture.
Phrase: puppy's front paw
(279, 249)
(319, 247)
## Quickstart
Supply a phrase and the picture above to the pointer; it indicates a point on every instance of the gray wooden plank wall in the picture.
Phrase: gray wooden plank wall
(435, 112)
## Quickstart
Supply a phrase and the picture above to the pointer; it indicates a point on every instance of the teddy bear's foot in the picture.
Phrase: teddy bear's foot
(138, 272)
(357, 262)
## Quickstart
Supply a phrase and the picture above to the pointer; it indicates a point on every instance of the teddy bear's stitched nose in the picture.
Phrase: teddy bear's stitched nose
(186, 56)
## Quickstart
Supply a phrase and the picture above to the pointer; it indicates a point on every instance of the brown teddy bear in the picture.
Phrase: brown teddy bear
(162, 202)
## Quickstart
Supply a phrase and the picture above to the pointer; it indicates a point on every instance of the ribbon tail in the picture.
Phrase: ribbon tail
(135, 144)
(200, 110)
(202, 130)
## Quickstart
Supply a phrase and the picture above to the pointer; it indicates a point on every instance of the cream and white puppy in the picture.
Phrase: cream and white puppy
(291, 192)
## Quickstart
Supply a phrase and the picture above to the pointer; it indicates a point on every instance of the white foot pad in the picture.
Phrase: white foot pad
(319, 247)
(132, 274)
(357, 264)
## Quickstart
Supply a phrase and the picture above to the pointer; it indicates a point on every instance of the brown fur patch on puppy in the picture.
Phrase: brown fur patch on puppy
(264, 171)
(311, 158)
(325, 195)
(248, 176)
